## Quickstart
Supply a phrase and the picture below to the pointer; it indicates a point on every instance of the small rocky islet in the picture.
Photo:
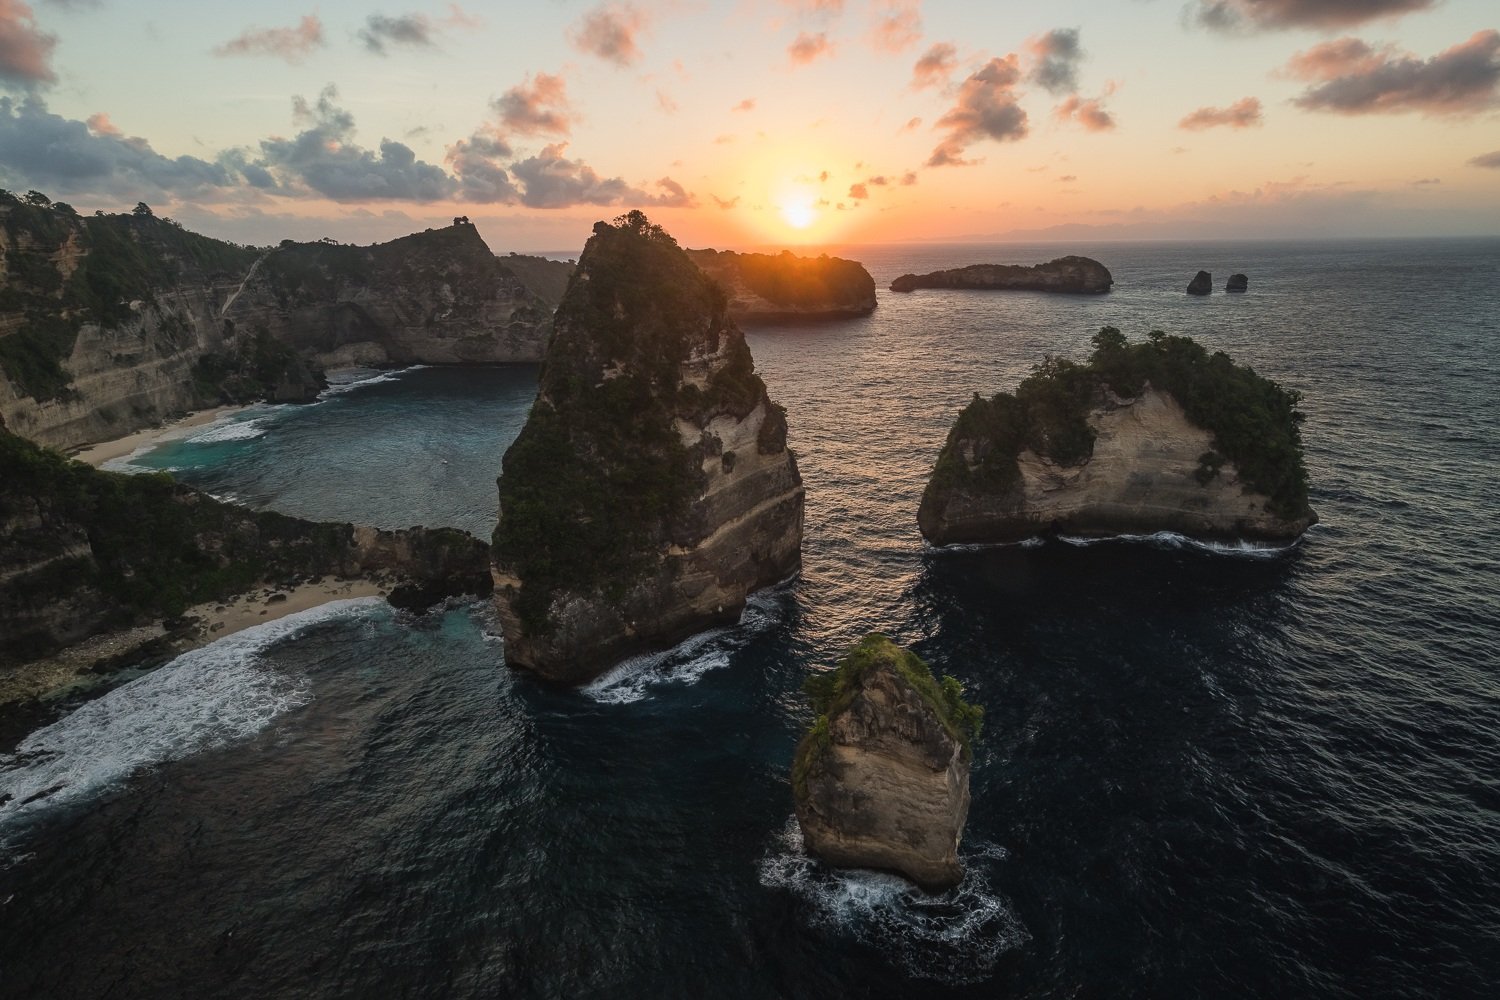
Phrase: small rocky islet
(1071, 275)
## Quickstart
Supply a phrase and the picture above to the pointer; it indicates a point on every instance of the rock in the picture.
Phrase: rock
(1075, 275)
(779, 288)
(546, 279)
(1202, 284)
(881, 780)
(1107, 448)
(622, 529)
(1237, 283)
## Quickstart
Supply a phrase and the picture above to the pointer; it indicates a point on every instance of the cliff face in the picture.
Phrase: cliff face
(882, 780)
(767, 288)
(1075, 275)
(651, 489)
(1110, 448)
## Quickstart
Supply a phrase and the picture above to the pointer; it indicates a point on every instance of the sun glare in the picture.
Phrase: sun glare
(799, 214)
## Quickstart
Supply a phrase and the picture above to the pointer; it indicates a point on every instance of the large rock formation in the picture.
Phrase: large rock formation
(881, 780)
(1237, 283)
(1149, 437)
(767, 288)
(1202, 284)
(83, 551)
(111, 323)
(1075, 275)
(545, 278)
(651, 489)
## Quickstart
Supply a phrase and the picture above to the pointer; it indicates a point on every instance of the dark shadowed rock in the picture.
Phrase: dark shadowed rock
(1074, 275)
(778, 288)
(1202, 284)
(1237, 283)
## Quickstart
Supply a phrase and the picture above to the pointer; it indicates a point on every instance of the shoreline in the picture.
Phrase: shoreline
(107, 451)
(96, 660)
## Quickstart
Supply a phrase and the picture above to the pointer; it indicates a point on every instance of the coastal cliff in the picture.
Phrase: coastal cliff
(112, 323)
(651, 489)
(1155, 436)
(777, 288)
(881, 780)
(1072, 275)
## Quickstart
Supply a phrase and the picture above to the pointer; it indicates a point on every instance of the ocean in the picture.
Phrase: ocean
(1205, 771)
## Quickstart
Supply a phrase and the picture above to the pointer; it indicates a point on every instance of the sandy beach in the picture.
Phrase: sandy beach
(96, 455)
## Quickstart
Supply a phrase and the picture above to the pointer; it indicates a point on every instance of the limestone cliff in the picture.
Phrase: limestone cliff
(651, 489)
(1074, 275)
(545, 278)
(778, 288)
(1149, 437)
(881, 780)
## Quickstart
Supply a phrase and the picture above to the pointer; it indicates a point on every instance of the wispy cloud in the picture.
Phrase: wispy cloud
(807, 47)
(986, 108)
(935, 66)
(381, 33)
(1350, 77)
(1244, 113)
(609, 32)
(1240, 15)
(537, 106)
(25, 50)
(291, 44)
(897, 25)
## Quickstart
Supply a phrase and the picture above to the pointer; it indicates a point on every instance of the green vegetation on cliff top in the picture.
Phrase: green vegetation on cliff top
(786, 279)
(1254, 421)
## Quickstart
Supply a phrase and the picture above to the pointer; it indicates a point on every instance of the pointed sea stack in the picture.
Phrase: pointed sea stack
(1202, 284)
(651, 489)
(881, 780)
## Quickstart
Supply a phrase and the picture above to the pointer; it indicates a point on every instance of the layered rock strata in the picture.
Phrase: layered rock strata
(778, 288)
(1072, 275)
(651, 490)
(881, 780)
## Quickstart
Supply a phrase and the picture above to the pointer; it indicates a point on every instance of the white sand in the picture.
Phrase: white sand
(96, 455)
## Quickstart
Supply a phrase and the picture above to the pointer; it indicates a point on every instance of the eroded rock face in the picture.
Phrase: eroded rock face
(882, 780)
(1202, 284)
(651, 490)
(767, 288)
(1237, 283)
(1073, 275)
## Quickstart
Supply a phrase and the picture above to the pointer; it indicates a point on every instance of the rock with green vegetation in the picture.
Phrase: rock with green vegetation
(881, 779)
(1144, 437)
(84, 552)
(547, 279)
(651, 490)
(1072, 275)
(778, 288)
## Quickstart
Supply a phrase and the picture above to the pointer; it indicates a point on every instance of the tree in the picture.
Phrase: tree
(142, 211)
(38, 199)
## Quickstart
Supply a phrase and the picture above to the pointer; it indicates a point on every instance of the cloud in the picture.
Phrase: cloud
(291, 44)
(536, 106)
(665, 102)
(1241, 114)
(1490, 160)
(1239, 15)
(725, 203)
(858, 192)
(816, 8)
(476, 162)
(1067, 178)
(1057, 55)
(909, 178)
(46, 151)
(986, 108)
(551, 180)
(897, 26)
(324, 159)
(1350, 77)
(411, 30)
(934, 67)
(609, 32)
(748, 104)
(1088, 112)
(805, 48)
(25, 52)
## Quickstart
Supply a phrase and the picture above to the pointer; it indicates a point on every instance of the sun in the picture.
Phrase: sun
(799, 212)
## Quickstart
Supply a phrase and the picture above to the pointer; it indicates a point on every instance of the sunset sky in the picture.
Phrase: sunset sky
(739, 123)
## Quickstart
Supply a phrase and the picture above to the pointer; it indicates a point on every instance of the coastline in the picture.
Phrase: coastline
(92, 662)
(106, 451)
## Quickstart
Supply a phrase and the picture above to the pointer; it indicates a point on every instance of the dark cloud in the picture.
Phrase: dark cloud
(291, 44)
(1349, 77)
(551, 180)
(1088, 112)
(805, 48)
(25, 52)
(897, 26)
(48, 152)
(537, 106)
(986, 108)
(380, 32)
(609, 32)
(324, 159)
(477, 163)
(1057, 55)
(1241, 114)
(1238, 15)
(935, 66)
(1490, 160)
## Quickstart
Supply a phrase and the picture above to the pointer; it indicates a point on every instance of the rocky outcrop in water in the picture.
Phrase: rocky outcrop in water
(1202, 284)
(1072, 275)
(881, 780)
(651, 489)
(779, 288)
(1158, 436)
(1237, 283)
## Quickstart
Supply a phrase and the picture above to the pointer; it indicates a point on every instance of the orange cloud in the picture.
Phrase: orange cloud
(1241, 114)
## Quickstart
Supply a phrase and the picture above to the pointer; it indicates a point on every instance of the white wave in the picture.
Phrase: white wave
(205, 698)
(358, 378)
(954, 937)
(1035, 541)
(632, 679)
(229, 430)
(1173, 540)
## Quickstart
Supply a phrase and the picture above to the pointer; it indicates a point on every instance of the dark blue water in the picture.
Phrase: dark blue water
(1202, 774)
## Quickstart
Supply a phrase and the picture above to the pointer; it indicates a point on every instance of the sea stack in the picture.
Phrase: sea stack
(1146, 437)
(1071, 275)
(881, 779)
(1202, 284)
(782, 288)
(651, 490)
(1237, 283)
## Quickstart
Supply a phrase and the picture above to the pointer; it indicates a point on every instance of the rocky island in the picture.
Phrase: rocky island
(651, 489)
(1072, 275)
(881, 779)
(1145, 437)
(778, 288)
(1202, 284)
